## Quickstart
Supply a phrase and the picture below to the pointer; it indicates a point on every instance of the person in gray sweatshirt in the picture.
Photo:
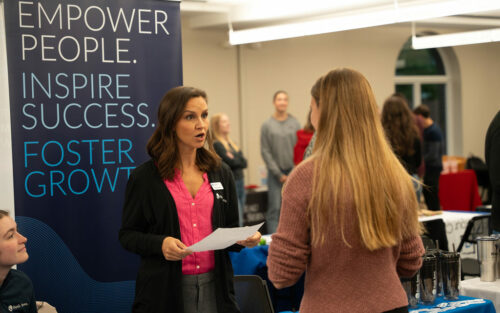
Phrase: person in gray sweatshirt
(277, 140)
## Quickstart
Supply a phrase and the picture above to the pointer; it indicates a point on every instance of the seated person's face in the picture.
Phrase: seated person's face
(12, 244)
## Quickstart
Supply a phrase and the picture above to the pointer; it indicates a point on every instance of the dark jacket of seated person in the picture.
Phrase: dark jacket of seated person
(16, 293)
(16, 289)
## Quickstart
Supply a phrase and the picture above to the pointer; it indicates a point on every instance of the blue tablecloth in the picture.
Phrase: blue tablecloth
(253, 262)
(462, 305)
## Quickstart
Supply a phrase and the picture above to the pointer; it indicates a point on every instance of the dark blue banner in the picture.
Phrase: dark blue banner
(85, 80)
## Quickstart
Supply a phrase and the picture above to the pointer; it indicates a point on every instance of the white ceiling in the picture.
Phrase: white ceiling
(244, 14)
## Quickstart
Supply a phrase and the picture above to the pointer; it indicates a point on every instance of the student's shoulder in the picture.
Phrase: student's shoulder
(303, 173)
(20, 279)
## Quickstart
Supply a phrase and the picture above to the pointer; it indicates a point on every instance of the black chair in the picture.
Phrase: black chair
(252, 294)
(476, 227)
(435, 230)
(428, 242)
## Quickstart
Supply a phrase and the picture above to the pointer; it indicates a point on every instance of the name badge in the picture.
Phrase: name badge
(217, 186)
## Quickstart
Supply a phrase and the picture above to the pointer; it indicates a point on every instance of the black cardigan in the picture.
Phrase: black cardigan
(150, 215)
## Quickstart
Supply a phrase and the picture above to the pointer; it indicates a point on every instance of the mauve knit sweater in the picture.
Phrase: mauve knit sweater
(338, 278)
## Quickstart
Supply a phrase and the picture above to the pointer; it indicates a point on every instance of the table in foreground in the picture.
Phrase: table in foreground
(477, 288)
(462, 305)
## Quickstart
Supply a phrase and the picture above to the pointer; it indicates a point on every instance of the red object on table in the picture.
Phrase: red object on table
(459, 191)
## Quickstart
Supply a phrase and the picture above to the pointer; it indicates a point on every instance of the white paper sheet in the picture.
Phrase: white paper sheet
(224, 237)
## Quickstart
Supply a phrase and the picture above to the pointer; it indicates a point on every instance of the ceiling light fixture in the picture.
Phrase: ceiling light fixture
(397, 13)
(456, 39)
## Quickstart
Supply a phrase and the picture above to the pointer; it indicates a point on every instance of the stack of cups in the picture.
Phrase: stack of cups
(450, 271)
(439, 281)
(487, 257)
(410, 287)
(428, 279)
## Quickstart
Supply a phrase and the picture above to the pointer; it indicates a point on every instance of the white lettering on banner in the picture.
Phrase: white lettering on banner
(71, 49)
(145, 21)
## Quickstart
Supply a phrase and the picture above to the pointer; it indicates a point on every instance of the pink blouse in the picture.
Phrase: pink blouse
(195, 221)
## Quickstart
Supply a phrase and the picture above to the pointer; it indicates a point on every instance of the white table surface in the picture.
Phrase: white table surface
(480, 289)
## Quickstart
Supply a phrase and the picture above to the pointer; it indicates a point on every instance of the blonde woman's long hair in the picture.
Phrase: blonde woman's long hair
(215, 129)
(352, 156)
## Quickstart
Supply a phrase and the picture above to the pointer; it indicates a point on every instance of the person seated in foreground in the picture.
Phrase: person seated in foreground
(16, 289)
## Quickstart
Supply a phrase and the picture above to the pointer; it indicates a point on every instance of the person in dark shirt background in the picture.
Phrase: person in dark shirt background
(492, 157)
(433, 156)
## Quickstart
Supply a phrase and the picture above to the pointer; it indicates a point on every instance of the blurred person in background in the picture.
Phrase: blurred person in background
(314, 123)
(349, 215)
(277, 140)
(402, 133)
(433, 156)
(304, 136)
(231, 155)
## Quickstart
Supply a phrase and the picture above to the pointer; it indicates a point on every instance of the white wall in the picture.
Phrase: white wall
(211, 65)
(295, 64)
(480, 67)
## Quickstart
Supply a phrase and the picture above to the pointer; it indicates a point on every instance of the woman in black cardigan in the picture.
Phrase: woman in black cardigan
(230, 154)
(181, 145)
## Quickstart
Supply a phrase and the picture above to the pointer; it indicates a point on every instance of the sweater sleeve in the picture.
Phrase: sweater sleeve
(133, 234)
(410, 256)
(289, 250)
(241, 158)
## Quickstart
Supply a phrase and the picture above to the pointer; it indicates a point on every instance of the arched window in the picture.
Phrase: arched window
(421, 76)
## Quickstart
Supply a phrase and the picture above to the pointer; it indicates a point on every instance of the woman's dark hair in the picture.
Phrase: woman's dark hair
(315, 90)
(309, 126)
(399, 125)
(423, 110)
(162, 146)
(278, 92)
